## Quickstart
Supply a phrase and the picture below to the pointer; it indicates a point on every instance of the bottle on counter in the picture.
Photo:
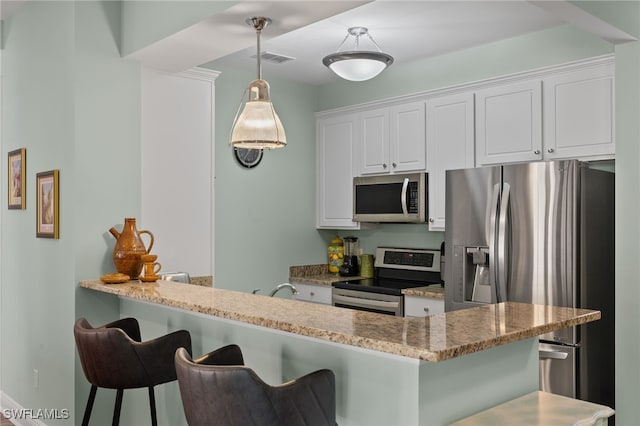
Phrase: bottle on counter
(336, 255)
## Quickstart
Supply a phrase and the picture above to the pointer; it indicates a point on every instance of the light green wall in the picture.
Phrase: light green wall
(265, 217)
(74, 105)
(38, 274)
(535, 50)
(627, 233)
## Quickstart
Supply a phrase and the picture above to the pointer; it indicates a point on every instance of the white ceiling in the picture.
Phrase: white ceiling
(308, 30)
(407, 30)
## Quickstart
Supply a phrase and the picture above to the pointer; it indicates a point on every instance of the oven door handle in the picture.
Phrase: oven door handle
(365, 303)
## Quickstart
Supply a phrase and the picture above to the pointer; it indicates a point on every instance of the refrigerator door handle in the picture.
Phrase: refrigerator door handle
(403, 196)
(502, 252)
(491, 236)
(546, 354)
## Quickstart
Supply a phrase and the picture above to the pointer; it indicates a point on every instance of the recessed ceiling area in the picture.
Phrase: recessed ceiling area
(407, 30)
(303, 32)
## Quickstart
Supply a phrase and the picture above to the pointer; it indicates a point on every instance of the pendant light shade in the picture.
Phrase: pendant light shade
(258, 126)
(358, 65)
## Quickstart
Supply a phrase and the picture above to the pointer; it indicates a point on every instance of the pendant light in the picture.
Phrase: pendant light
(258, 126)
(358, 65)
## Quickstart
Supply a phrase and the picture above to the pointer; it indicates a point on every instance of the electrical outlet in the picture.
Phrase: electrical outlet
(35, 378)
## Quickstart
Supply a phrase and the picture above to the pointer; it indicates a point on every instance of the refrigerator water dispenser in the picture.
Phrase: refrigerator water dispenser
(471, 274)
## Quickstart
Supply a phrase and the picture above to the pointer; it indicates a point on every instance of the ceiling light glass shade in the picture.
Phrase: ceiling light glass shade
(357, 66)
(258, 125)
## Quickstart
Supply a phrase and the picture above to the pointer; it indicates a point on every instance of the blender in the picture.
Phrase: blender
(350, 267)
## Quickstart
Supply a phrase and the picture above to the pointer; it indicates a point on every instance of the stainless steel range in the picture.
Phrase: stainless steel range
(396, 269)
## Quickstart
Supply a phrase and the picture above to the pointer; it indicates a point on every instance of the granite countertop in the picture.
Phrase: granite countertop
(314, 274)
(435, 338)
(432, 291)
(320, 275)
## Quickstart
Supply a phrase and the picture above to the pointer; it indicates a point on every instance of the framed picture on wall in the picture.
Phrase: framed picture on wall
(48, 206)
(17, 164)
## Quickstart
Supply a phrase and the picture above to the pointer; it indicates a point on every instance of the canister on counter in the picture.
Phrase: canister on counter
(336, 254)
(366, 265)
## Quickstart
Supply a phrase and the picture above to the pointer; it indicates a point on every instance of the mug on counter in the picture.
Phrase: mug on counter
(150, 266)
(366, 265)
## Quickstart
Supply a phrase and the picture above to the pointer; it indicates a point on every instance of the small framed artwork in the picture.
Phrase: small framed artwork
(48, 208)
(17, 165)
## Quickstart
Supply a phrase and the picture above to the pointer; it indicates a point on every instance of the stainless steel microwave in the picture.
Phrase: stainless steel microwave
(391, 198)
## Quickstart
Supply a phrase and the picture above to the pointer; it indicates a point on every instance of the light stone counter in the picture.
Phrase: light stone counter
(435, 338)
(432, 291)
(314, 274)
(319, 275)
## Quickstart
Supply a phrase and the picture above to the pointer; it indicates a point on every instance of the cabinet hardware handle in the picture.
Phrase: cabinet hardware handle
(550, 150)
(384, 165)
(431, 220)
(394, 165)
(426, 309)
(537, 151)
(312, 294)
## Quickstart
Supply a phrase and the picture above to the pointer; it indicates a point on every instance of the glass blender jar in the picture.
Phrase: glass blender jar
(350, 266)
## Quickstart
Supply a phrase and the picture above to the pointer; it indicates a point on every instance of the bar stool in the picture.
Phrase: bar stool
(218, 389)
(114, 357)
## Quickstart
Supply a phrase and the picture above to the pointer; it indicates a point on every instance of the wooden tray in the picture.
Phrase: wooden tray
(114, 278)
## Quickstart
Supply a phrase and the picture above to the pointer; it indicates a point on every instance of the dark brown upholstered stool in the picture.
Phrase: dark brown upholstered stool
(218, 390)
(114, 357)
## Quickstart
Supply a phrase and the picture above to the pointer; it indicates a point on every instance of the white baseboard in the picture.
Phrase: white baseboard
(17, 414)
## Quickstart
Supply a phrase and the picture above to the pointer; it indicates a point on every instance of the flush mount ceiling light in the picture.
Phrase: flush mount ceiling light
(358, 65)
(258, 126)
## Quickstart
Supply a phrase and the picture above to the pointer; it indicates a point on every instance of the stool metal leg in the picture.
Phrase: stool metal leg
(117, 408)
(152, 405)
(89, 407)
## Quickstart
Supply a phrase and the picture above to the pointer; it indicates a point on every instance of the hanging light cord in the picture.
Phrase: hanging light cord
(258, 31)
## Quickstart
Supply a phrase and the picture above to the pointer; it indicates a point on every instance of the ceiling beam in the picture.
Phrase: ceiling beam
(227, 32)
(580, 18)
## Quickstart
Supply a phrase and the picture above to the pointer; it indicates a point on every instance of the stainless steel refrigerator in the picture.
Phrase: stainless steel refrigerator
(539, 233)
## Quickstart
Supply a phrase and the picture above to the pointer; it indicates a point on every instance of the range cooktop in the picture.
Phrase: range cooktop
(397, 269)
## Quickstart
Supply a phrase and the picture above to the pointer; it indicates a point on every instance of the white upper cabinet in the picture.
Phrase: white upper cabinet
(335, 147)
(393, 139)
(408, 146)
(509, 123)
(450, 145)
(374, 152)
(579, 113)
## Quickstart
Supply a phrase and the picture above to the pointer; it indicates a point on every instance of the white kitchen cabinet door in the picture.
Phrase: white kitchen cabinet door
(374, 155)
(336, 137)
(418, 306)
(407, 142)
(450, 145)
(579, 114)
(509, 123)
(313, 293)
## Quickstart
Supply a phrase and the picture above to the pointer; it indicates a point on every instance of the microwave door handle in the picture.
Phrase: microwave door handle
(502, 251)
(491, 237)
(403, 196)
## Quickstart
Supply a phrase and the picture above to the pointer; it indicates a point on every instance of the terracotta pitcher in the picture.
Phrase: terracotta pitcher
(129, 248)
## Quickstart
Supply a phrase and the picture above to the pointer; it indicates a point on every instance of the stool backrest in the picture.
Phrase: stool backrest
(235, 395)
(108, 357)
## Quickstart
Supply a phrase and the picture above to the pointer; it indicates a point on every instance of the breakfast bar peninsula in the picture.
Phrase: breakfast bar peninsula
(389, 370)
